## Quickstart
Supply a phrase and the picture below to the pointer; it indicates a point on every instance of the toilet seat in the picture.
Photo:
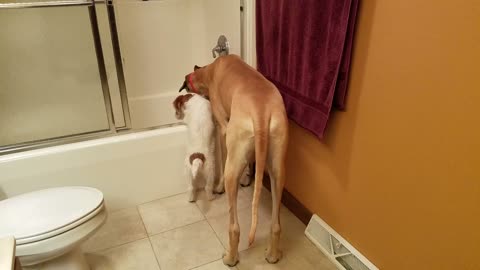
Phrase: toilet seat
(24, 216)
(50, 248)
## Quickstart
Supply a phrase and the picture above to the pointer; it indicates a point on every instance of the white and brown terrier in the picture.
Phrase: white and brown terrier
(196, 113)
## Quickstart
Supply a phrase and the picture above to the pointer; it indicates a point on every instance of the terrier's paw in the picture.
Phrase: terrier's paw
(192, 196)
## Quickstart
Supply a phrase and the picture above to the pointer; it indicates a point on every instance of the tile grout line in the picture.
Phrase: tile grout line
(148, 237)
(141, 218)
(114, 246)
(169, 230)
(154, 253)
(147, 202)
(211, 227)
(124, 243)
(209, 263)
(205, 219)
(199, 221)
(170, 196)
(155, 234)
(216, 235)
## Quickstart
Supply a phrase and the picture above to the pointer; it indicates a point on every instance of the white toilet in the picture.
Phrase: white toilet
(49, 225)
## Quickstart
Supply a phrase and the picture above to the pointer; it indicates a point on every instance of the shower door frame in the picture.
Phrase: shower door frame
(248, 53)
(112, 129)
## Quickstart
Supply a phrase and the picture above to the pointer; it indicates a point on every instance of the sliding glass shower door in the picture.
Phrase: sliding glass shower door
(53, 82)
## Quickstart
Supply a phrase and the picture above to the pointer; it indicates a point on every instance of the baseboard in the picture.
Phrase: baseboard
(296, 207)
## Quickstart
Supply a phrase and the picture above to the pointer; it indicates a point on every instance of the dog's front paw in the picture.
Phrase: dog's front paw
(273, 256)
(229, 260)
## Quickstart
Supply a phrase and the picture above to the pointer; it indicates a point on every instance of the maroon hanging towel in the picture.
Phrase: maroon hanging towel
(304, 48)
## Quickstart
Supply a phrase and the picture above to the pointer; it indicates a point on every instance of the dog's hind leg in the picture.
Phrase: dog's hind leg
(232, 174)
(238, 150)
(246, 178)
(276, 170)
(190, 185)
(210, 180)
(220, 157)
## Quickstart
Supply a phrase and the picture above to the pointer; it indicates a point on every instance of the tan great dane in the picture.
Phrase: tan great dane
(250, 114)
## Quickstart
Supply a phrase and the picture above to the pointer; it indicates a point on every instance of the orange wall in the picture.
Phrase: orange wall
(398, 174)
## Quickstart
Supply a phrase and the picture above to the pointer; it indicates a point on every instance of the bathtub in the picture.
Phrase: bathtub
(129, 169)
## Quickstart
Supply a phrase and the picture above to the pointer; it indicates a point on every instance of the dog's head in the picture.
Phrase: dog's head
(179, 105)
(195, 82)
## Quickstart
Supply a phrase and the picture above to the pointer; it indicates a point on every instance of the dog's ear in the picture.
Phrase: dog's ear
(178, 103)
(195, 67)
(184, 86)
(187, 97)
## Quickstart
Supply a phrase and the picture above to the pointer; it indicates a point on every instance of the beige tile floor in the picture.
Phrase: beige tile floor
(173, 234)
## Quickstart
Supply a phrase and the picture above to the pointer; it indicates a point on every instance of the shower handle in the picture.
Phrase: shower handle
(222, 47)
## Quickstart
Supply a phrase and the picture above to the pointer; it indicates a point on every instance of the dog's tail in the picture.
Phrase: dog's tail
(196, 160)
(261, 131)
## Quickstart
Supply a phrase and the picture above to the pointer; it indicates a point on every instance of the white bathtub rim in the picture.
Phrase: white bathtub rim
(92, 143)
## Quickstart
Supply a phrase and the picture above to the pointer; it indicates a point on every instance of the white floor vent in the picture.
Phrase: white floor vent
(335, 247)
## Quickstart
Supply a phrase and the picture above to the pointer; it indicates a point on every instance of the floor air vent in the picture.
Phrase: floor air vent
(335, 247)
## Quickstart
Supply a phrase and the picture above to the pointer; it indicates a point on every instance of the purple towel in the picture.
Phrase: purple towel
(304, 48)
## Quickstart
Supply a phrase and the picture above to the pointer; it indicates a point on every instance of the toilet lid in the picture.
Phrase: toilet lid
(44, 211)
